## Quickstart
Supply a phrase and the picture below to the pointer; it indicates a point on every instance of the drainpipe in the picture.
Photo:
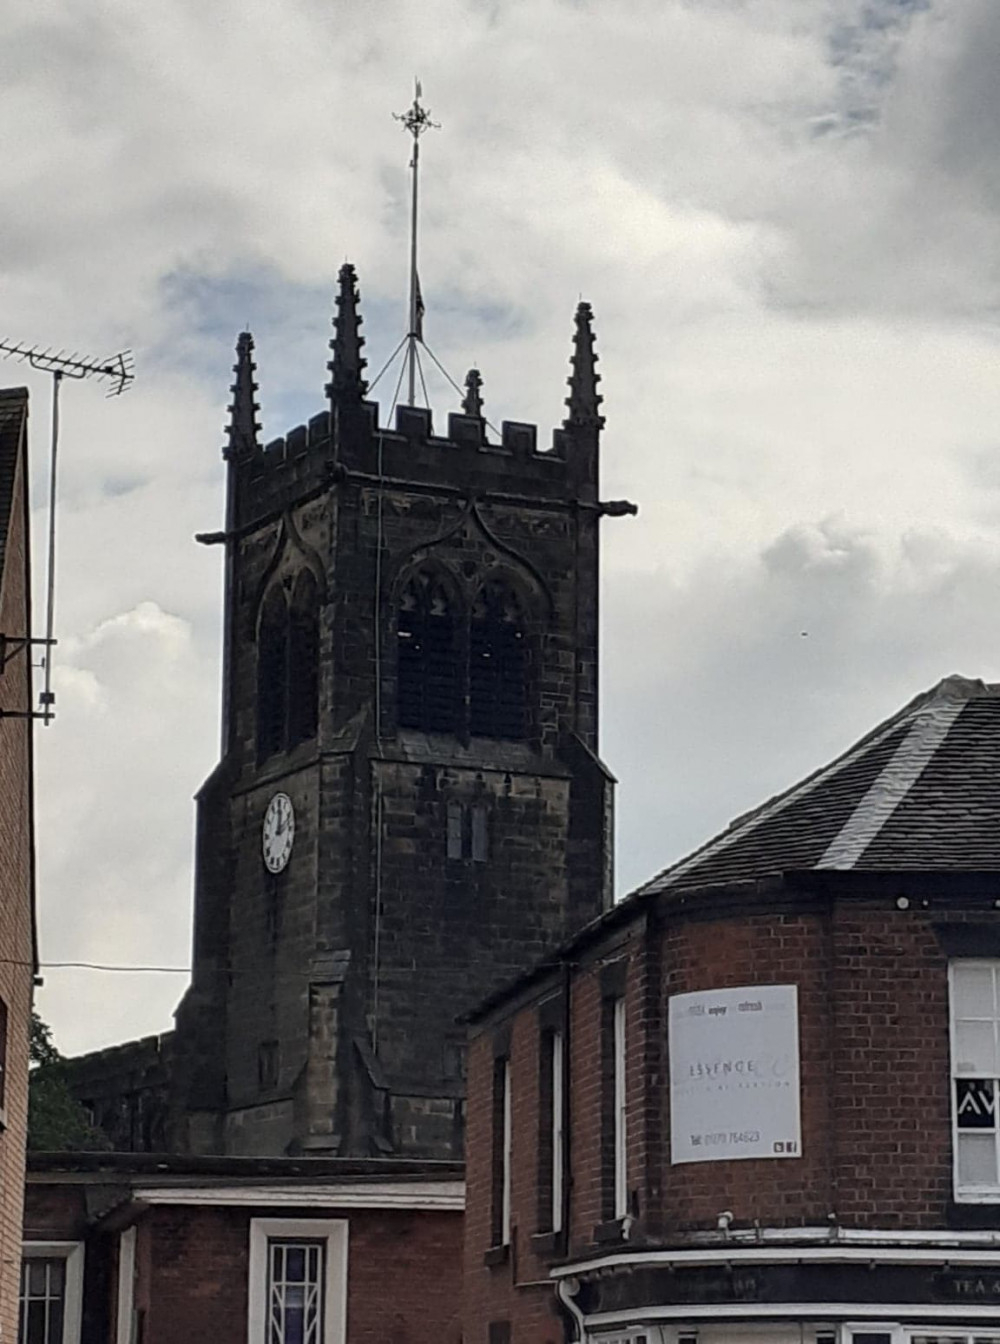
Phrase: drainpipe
(567, 1290)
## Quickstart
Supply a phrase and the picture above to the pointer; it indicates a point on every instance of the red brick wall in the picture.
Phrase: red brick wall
(54, 1212)
(875, 1088)
(763, 949)
(494, 1292)
(875, 1073)
(404, 1268)
(15, 903)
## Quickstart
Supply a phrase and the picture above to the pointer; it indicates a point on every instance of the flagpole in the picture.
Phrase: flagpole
(412, 343)
(416, 121)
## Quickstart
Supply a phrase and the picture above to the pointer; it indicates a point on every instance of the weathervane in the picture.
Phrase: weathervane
(416, 120)
(119, 372)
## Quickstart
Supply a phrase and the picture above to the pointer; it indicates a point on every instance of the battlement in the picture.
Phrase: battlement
(467, 457)
(132, 1062)
(350, 440)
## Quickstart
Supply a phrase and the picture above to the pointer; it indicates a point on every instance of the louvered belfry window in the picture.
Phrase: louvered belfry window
(427, 670)
(288, 666)
(497, 664)
(272, 674)
(303, 660)
(462, 670)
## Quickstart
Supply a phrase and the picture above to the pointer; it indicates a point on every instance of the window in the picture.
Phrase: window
(298, 1281)
(551, 1150)
(468, 832)
(303, 660)
(51, 1296)
(501, 1152)
(975, 1054)
(427, 657)
(461, 671)
(558, 1138)
(456, 828)
(620, 1147)
(498, 671)
(272, 673)
(288, 666)
(889, 1332)
(615, 1202)
(507, 1137)
(480, 835)
(295, 1275)
(125, 1332)
(43, 1300)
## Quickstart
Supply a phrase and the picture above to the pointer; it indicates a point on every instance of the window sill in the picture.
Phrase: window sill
(496, 1255)
(549, 1245)
(609, 1233)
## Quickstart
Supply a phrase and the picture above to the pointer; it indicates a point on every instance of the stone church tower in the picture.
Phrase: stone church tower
(409, 808)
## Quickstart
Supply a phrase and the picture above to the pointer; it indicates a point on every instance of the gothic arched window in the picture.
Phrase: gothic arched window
(303, 660)
(427, 656)
(498, 664)
(272, 673)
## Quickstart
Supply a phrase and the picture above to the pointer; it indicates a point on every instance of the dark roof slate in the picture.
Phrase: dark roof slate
(951, 817)
(922, 791)
(13, 419)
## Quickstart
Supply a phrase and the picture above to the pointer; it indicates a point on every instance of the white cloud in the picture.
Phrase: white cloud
(784, 215)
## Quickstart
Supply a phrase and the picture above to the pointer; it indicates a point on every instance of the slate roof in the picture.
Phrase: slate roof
(920, 792)
(13, 418)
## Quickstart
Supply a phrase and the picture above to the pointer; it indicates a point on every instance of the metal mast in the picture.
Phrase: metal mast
(119, 372)
(416, 120)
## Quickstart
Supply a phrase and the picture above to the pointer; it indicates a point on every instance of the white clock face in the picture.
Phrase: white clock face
(278, 833)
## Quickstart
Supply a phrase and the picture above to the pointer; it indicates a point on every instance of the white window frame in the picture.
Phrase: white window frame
(558, 1131)
(125, 1317)
(73, 1253)
(507, 1150)
(620, 1118)
(973, 1194)
(334, 1231)
(904, 1334)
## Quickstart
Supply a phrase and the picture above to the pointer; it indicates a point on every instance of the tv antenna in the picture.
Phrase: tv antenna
(416, 120)
(119, 372)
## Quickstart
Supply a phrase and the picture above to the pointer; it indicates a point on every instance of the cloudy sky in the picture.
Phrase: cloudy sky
(785, 213)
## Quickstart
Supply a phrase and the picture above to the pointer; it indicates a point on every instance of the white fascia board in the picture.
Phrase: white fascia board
(914, 1314)
(429, 1195)
(944, 1249)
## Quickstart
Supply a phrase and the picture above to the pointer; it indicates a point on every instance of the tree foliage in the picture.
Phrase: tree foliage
(57, 1123)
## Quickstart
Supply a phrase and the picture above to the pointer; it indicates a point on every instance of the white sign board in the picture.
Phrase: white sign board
(734, 1074)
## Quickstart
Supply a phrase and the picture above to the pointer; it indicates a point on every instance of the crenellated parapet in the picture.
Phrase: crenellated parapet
(465, 456)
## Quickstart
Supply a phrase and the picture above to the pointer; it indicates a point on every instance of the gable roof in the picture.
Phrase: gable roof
(920, 792)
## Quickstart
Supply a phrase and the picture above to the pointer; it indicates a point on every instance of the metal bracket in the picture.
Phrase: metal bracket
(10, 647)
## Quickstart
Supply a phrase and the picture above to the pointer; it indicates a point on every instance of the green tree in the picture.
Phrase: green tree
(57, 1123)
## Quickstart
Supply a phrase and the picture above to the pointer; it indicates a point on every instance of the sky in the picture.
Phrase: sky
(785, 216)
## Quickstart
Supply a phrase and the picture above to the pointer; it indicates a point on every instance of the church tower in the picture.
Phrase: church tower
(409, 808)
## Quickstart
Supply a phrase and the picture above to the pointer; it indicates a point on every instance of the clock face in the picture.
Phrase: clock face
(278, 833)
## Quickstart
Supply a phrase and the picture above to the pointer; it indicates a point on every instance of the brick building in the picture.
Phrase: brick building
(121, 1248)
(758, 1100)
(17, 927)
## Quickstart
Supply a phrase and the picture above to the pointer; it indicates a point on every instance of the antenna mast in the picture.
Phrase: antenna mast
(416, 120)
(119, 372)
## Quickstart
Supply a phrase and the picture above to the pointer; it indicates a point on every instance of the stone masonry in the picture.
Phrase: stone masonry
(431, 861)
